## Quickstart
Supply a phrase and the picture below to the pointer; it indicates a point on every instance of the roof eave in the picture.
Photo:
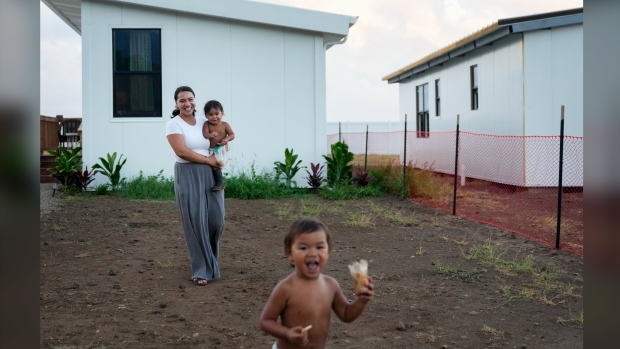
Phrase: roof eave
(505, 28)
(246, 11)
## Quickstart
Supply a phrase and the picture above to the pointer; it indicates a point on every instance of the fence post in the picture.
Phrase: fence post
(405, 155)
(557, 236)
(339, 130)
(366, 152)
(456, 164)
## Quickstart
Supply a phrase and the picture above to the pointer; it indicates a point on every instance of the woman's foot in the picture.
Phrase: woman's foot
(199, 281)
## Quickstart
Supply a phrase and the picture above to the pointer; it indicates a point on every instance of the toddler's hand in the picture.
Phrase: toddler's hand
(223, 142)
(297, 336)
(214, 134)
(368, 292)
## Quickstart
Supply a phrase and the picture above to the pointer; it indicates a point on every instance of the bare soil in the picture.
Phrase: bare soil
(115, 274)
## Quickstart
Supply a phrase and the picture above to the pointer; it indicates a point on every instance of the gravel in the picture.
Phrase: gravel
(48, 203)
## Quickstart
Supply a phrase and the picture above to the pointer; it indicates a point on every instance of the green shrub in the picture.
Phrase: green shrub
(390, 178)
(257, 186)
(102, 189)
(339, 165)
(289, 168)
(350, 191)
(152, 187)
(111, 169)
(68, 166)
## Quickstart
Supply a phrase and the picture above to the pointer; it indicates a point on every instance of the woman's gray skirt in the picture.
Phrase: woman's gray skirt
(202, 215)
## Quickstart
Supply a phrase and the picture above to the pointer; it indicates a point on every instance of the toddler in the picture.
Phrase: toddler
(218, 132)
(304, 300)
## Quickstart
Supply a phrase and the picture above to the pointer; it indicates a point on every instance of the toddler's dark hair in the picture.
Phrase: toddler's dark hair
(213, 104)
(305, 225)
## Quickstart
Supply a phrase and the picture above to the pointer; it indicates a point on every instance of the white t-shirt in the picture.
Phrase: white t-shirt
(192, 134)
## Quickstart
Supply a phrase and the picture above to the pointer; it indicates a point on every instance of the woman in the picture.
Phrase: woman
(202, 211)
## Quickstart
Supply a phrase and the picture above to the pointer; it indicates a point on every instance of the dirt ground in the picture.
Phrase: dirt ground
(115, 274)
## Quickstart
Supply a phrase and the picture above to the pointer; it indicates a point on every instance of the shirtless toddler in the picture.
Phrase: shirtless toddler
(307, 296)
(218, 132)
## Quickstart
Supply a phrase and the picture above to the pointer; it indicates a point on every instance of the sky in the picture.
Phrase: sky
(387, 36)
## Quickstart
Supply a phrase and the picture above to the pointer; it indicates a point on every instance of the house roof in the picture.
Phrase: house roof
(486, 36)
(334, 27)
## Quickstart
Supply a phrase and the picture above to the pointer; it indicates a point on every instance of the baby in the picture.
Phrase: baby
(304, 300)
(218, 132)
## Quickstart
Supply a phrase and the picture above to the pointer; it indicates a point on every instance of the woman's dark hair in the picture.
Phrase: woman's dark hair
(213, 104)
(180, 89)
(305, 225)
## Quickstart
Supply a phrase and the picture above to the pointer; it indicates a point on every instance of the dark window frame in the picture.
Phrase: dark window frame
(437, 98)
(422, 114)
(137, 84)
(473, 79)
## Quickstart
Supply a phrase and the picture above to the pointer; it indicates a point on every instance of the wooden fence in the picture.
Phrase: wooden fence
(49, 132)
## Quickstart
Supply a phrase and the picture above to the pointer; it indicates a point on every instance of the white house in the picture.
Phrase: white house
(510, 79)
(264, 62)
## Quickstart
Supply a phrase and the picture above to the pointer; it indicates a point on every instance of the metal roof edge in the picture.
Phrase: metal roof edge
(62, 16)
(486, 36)
(547, 23)
(239, 10)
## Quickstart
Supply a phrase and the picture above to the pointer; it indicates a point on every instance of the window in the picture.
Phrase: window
(437, 99)
(422, 114)
(473, 77)
(137, 72)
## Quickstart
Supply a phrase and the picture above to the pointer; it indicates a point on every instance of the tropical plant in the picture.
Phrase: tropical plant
(289, 168)
(84, 178)
(68, 165)
(338, 165)
(111, 169)
(361, 177)
(315, 179)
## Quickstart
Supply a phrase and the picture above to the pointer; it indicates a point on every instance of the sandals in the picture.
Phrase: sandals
(199, 282)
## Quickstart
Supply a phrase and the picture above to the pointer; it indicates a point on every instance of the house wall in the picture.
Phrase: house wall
(270, 80)
(500, 91)
(500, 112)
(523, 81)
(554, 77)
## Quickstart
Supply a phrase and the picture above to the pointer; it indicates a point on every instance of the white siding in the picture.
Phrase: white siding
(523, 80)
(270, 80)
(554, 77)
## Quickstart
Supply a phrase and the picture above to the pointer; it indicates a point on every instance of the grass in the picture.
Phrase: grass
(451, 271)
(63, 224)
(152, 187)
(424, 183)
(374, 159)
(490, 331)
(544, 286)
(392, 216)
(550, 224)
(444, 269)
(490, 255)
(572, 319)
(359, 220)
(416, 182)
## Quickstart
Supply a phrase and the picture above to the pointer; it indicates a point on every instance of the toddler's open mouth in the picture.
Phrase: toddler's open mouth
(312, 266)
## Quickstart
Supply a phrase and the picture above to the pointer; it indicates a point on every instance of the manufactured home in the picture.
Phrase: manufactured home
(506, 82)
(265, 63)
